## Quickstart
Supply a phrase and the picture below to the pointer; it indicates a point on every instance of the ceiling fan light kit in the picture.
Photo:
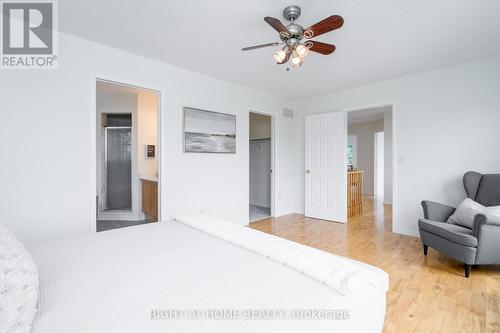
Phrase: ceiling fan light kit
(301, 50)
(280, 55)
(292, 37)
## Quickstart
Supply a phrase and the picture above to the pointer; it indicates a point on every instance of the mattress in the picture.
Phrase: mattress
(170, 277)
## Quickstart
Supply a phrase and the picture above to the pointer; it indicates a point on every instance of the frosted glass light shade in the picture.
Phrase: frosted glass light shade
(279, 55)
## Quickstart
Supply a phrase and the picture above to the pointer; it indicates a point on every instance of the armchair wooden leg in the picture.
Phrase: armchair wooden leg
(467, 270)
(426, 247)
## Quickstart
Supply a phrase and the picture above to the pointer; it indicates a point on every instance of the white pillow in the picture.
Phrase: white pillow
(18, 285)
(465, 213)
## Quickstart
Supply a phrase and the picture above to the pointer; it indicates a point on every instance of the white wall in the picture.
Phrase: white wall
(446, 123)
(48, 147)
(388, 157)
(365, 152)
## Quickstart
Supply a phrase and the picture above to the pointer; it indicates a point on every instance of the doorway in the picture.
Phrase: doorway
(370, 149)
(260, 166)
(127, 161)
(340, 166)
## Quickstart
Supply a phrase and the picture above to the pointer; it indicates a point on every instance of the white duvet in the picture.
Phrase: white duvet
(116, 280)
(346, 276)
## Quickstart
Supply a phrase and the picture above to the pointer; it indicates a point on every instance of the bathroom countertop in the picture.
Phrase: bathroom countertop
(149, 178)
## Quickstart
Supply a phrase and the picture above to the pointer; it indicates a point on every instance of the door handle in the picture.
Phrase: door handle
(308, 171)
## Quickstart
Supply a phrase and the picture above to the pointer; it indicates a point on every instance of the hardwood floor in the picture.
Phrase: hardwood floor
(426, 294)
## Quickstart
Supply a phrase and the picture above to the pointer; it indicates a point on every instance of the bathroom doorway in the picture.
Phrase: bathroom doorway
(127, 161)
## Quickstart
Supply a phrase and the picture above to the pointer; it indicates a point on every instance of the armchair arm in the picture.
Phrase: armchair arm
(480, 220)
(436, 212)
(487, 230)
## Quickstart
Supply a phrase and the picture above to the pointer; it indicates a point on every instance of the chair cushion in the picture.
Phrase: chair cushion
(452, 232)
(465, 213)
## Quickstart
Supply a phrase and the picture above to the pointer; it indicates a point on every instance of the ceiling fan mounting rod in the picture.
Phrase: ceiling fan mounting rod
(291, 13)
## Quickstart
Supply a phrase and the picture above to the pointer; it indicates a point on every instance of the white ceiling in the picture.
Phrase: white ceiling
(380, 40)
(367, 115)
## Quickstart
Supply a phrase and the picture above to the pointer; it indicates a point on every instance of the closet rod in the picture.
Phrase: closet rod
(260, 139)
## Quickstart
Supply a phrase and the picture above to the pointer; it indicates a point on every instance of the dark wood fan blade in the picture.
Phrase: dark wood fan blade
(277, 25)
(330, 23)
(322, 48)
(286, 59)
(259, 46)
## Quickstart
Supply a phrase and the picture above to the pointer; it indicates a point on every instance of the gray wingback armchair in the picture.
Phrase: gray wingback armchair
(477, 246)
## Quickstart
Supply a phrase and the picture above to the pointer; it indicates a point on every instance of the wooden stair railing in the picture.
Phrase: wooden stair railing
(354, 193)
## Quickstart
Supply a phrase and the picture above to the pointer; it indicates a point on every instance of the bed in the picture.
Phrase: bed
(194, 274)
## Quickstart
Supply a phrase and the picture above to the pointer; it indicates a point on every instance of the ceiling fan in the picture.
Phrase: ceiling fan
(293, 37)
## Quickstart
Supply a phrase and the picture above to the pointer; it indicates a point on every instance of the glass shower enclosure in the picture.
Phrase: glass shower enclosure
(118, 161)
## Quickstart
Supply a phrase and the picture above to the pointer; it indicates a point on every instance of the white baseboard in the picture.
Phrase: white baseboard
(406, 232)
(286, 212)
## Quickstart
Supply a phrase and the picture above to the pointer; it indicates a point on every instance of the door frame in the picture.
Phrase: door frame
(395, 164)
(273, 156)
(376, 180)
(161, 139)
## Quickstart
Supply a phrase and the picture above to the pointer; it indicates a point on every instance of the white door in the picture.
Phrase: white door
(379, 164)
(326, 166)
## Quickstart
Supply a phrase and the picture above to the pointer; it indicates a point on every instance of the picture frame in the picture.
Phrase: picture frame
(150, 151)
(208, 131)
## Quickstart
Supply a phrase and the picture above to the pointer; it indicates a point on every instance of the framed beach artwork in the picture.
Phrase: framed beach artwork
(209, 132)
